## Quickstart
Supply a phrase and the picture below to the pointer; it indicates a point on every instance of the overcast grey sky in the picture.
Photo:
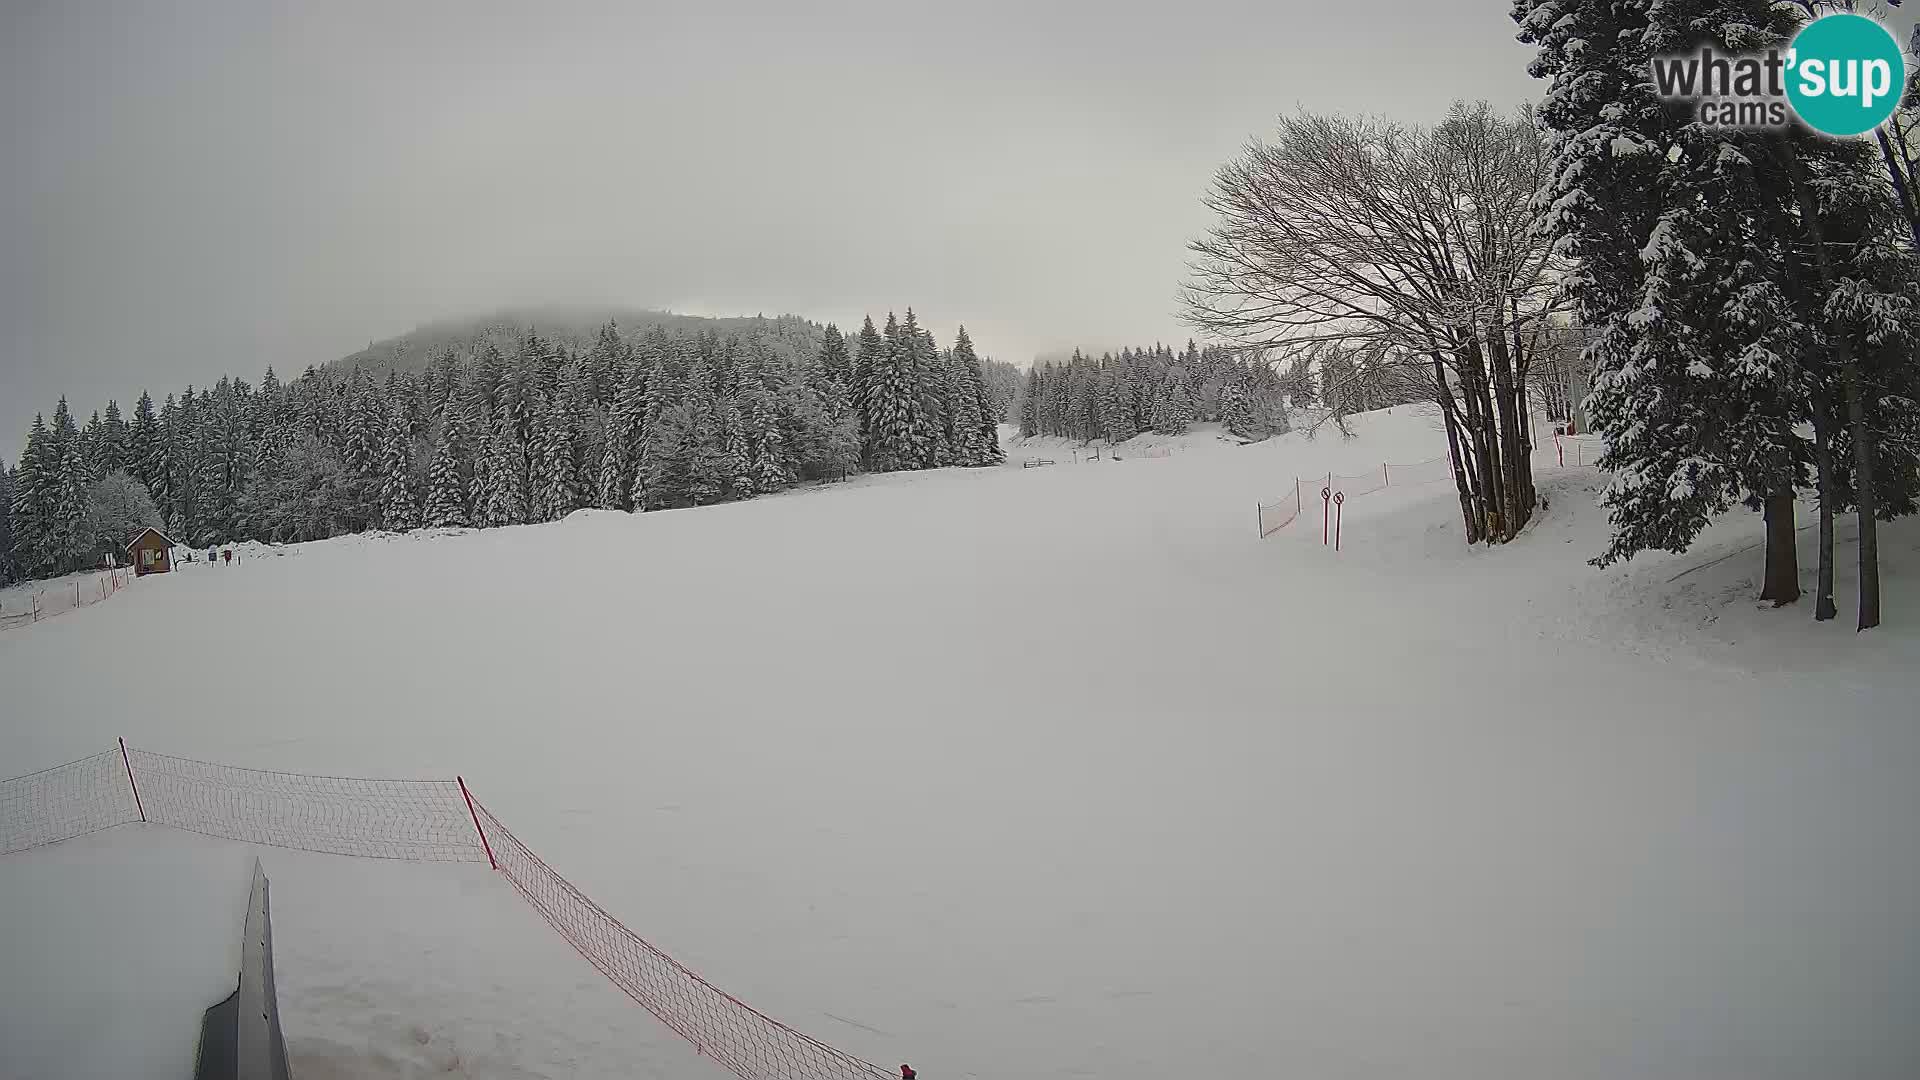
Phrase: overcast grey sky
(193, 188)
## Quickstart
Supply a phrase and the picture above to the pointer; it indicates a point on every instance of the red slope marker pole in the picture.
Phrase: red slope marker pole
(488, 848)
(1326, 494)
(1385, 479)
(1338, 499)
(136, 787)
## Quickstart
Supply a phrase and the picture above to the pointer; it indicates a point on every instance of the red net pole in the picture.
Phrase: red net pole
(488, 848)
(1385, 479)
(124, 760)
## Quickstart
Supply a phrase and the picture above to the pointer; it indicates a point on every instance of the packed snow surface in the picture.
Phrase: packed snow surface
(1050, 772)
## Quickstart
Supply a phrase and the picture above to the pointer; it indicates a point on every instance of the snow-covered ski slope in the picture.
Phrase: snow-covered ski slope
(1054, 772)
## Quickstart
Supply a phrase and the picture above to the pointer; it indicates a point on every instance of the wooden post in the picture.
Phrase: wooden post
(136, 787)
(488, 848)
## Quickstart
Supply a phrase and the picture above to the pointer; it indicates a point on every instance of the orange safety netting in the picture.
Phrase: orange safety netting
(415, 820)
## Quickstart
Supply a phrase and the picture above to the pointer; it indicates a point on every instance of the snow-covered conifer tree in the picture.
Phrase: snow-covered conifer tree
(399, 510)
(446, 494)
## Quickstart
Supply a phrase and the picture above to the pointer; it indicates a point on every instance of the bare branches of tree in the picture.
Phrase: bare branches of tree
(1390, 248)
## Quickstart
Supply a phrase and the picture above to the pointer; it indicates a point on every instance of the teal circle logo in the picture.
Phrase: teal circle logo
(1845, 75)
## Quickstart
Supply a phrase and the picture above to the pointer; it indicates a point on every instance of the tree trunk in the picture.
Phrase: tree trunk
(1519, 496)
(1866, 500)
(1444, 395)
(1473, 391)
(1823, 608)
(1782, 582)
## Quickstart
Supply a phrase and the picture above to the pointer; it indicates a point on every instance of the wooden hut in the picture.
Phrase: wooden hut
(151, 551)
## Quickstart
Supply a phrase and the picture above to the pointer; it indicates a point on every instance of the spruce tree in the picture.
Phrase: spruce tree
(736, 468)
(986, 440)
(9, 564)
(604, 363)
(870, 353)
(693, 459)
(833, 361)
(925, 374)
(183, 441)
(1030, 393)
(766, 445)
(223, 455)
(962, 426)
(664, 475)
(362, 434)
(399, 511)
(556, 468)
(113, 450)
(1169, 408)
(68, 484)
(143, 446)
(506, 487)
(480, 484)
(626, 433)
(92, 437)
(1236, 408)
(1687, 290)
(446, 494)
(895, 439)
(33, 498)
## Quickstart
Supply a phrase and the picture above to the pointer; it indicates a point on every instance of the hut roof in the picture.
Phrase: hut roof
(143, 532)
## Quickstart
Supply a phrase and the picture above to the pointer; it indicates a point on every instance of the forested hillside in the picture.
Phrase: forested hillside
(788, 338)
(492, 430)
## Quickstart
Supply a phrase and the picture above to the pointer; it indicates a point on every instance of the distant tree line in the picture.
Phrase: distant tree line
(1152, 390)
(496, 436)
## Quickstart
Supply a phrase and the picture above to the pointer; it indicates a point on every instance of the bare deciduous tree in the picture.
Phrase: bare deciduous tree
(1406, 246)
(1561, 374)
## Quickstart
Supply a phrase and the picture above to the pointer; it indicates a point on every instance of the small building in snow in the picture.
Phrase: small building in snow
(151, 552)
